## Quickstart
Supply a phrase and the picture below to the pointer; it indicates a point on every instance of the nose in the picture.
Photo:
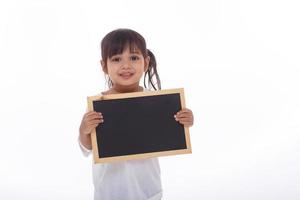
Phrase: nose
(126, 64)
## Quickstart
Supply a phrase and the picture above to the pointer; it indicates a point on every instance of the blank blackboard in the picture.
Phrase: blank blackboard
(139, 125)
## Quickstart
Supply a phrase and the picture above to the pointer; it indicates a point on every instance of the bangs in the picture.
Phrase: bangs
(119, 47)
(115, 43)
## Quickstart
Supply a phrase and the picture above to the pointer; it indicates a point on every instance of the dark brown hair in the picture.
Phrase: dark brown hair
(116, 41)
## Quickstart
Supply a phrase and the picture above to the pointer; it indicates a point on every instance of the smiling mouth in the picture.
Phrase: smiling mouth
(126, 75)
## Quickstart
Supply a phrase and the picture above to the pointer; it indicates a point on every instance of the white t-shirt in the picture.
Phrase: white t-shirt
(126, 180)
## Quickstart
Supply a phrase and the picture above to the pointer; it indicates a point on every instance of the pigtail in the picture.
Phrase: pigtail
(151, 73)
(108, 81)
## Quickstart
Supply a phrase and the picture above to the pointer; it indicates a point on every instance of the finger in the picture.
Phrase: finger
(184, 115)
(184, 118)
(94, 116)
(96, 121)
(91, 113)
(184, 112)
(88, 121)
(185, 121)
(93, 126)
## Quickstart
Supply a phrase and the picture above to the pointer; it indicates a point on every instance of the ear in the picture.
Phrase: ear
(147, 61)
(104, 67)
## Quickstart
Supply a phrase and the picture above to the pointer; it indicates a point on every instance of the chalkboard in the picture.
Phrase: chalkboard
(139, 125)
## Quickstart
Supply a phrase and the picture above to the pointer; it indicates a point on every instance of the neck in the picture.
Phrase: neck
(120, 89)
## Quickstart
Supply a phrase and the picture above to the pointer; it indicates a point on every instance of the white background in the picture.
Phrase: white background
(237, 60)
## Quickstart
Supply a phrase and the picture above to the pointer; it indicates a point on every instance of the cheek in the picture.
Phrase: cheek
(111, 68)
(141, 65)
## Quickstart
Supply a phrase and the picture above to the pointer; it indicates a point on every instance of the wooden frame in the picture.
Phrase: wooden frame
(98, 159)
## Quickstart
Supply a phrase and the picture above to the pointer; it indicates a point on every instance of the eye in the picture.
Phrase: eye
(134, 58)
(115, 59)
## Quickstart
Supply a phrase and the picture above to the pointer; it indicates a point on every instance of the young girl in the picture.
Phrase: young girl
(125, 59)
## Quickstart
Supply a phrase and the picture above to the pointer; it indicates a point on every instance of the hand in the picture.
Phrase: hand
(185, 117)
(90, 121)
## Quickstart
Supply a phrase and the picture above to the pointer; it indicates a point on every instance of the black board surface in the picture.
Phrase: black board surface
(138, 125)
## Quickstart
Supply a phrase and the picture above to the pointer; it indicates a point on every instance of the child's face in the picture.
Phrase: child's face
(127, 68)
